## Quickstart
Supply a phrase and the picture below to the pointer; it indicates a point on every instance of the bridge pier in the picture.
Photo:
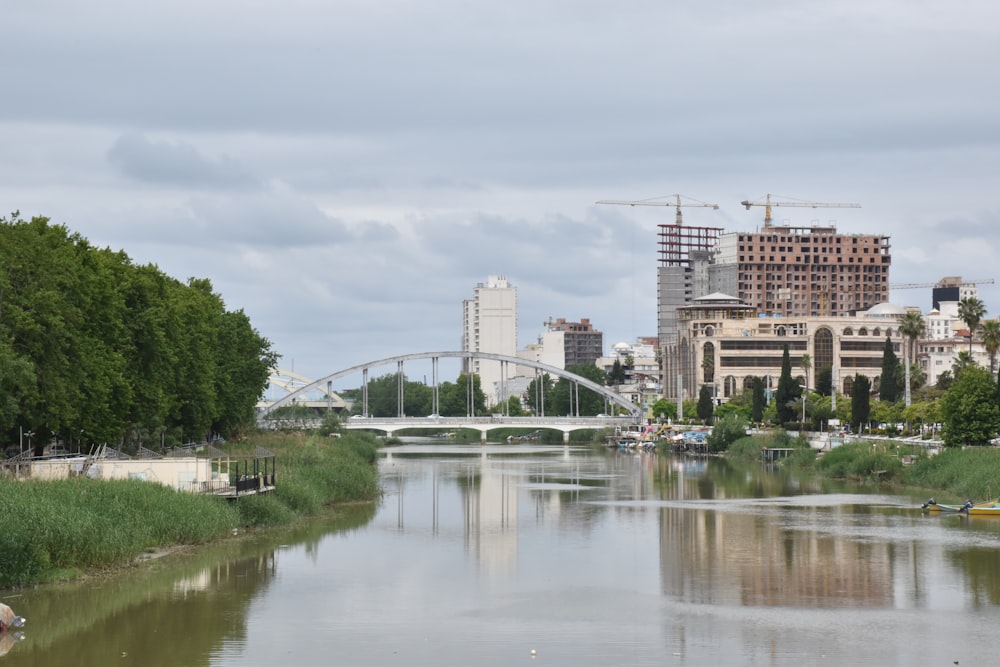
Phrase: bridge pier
(565, 437)
(482, 437)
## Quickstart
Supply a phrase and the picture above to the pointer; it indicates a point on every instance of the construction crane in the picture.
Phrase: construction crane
(767, 203)
(660, 201)
(942, 283)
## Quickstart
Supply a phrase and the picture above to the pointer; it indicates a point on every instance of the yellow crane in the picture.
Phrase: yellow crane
(661, 201)
(768, 203)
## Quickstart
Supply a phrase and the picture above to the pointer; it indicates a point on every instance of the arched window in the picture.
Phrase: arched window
(848, 385)
(780, 331)
(709, 330)
(863, 331)
(877, 332)
(748, 383)
(848, 331)
(822, 350)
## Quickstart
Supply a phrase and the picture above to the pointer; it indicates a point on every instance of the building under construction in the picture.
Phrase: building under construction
(781, 271)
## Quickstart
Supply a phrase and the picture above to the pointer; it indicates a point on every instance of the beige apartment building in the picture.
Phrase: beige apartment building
(724, 343)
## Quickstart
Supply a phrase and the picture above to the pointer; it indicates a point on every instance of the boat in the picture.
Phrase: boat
(968, 507)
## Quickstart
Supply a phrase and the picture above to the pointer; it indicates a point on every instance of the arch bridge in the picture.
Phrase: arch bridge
(483, 424)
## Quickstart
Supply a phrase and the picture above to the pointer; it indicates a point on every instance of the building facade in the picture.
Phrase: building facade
(726, 343)
(567, 344)
(490, 325)
(778, 271)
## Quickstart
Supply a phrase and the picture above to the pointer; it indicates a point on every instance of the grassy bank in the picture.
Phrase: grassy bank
(57, 529)
(955, 473)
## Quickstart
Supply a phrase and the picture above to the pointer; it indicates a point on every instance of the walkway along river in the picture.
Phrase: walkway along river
(529, 554)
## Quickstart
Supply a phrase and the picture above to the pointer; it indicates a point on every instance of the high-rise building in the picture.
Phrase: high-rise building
(490, 325)
(567, 344)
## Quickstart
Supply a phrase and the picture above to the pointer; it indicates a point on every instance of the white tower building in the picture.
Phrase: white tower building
(490, 325)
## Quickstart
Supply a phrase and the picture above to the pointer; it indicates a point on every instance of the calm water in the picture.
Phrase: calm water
(481, 555)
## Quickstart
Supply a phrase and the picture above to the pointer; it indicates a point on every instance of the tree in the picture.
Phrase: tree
(962, 361)
(824, 381)
(664, 409)
(888, 389)
(757, 409)
(787, 391)
(806, 365)
(971, 311)
(538, 395)
(912, 327)
(860, 401)
(969, 410)
(991, 341)
(617, 375)
(705, 405)
(566, 393)
(944, 381)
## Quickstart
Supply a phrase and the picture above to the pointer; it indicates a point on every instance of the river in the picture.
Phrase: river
(558, 555)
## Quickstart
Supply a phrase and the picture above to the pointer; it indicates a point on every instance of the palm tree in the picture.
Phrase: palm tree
(991, 341)
(971, 311)
(805, 364)
(912, 327)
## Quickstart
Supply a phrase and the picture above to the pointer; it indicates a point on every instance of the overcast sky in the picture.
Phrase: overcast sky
(347, 171)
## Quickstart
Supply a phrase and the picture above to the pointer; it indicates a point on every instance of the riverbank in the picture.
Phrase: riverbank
(54, 530)
(953, 473)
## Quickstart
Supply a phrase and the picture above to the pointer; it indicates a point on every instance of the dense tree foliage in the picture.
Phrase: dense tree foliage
(969, 409)
(95, 349)
(664, 409)
(538, 396)
(566, 394)
(860, 401)
(705, 405)
(758, 401)
(888, 389)
(787, 391)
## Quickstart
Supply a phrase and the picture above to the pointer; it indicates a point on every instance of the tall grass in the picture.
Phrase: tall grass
(74, 524)
(861, 460)
(58, 528)
(964, 473)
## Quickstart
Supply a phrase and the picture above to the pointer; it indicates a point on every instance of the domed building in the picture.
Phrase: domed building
(724, 343)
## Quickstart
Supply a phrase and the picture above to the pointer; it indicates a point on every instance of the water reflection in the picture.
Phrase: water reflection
(476, 555)
(177, 610)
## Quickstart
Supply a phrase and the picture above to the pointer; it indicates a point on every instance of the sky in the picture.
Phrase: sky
(346, 171)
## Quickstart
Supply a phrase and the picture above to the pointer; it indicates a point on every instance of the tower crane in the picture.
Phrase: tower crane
(767, 204)
(942, 283)
(660, 201)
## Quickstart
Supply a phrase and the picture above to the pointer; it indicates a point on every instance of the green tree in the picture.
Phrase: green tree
(912, 327)
(805, 363)
(664, 409)
(787, 391)
(888, 389)
(758, 404)
(971, 311)
(727, 430)
(565, 395)
(991, 341)
(944, 381)
(705, 404)
(860, 402)
(963, 360)
(617, 375)
(969, 410)
(538, 395)
(824, 381)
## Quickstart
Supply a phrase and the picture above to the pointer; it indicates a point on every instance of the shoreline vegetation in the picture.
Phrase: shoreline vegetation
(59, 530)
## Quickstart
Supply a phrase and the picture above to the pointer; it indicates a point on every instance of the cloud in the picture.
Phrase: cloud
(175, 163)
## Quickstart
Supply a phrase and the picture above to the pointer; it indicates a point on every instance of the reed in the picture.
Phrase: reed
(56, 529)
(964, 473)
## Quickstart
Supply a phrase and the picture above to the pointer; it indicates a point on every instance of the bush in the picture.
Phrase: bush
(726, 431)
(861, 460)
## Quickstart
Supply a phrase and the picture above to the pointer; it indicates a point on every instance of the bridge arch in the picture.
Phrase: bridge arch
(399, 360)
